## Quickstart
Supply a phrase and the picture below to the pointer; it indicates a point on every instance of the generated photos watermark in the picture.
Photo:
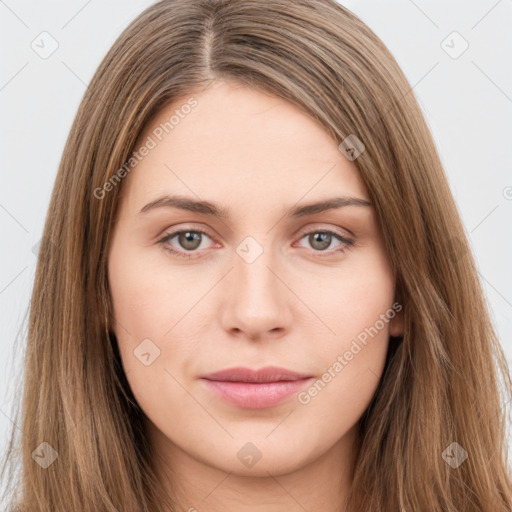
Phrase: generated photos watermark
(157, 135)
(305, 397)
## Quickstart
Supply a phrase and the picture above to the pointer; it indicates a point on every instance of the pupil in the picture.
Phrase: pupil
(187, 238)
(323, 244)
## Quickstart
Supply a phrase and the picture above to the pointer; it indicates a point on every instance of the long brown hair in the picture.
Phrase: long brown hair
(441, 382)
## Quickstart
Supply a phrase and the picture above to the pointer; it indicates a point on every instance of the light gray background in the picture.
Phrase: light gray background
(467, 102)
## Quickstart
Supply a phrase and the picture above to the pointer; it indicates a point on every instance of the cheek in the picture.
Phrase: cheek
(148, 299)
(151, 329)
(150, 309)
(356, 305)
(352, 302)
(350, 361)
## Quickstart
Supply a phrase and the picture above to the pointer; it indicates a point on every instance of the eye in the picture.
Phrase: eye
(188, 239)
(321, 240)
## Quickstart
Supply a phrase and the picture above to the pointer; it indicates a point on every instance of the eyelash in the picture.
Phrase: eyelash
(163, 242)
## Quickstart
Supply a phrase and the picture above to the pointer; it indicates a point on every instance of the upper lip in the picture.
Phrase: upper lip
(267, 374)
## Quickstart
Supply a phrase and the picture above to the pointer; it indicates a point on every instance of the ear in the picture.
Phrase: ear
(396, 324)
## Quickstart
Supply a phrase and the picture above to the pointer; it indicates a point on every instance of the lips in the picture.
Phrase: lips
(267, 374)
(255, 389)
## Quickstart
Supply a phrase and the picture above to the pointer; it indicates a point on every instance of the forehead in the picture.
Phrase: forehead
(232, 143)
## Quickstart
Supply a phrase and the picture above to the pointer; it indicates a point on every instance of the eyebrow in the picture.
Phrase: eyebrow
(211, 209)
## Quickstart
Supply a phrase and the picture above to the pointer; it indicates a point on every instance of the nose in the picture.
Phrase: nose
(257, 300)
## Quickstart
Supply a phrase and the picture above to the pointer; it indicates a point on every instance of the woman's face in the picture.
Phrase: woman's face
(267, 283)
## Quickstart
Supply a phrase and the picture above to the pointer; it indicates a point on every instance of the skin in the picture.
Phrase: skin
(295, 306)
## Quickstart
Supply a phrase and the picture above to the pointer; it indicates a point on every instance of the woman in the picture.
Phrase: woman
(254, 290)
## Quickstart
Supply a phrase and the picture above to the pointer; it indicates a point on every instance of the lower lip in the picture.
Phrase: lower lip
(257, 395)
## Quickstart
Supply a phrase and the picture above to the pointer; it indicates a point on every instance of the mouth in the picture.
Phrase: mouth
(255, 389)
